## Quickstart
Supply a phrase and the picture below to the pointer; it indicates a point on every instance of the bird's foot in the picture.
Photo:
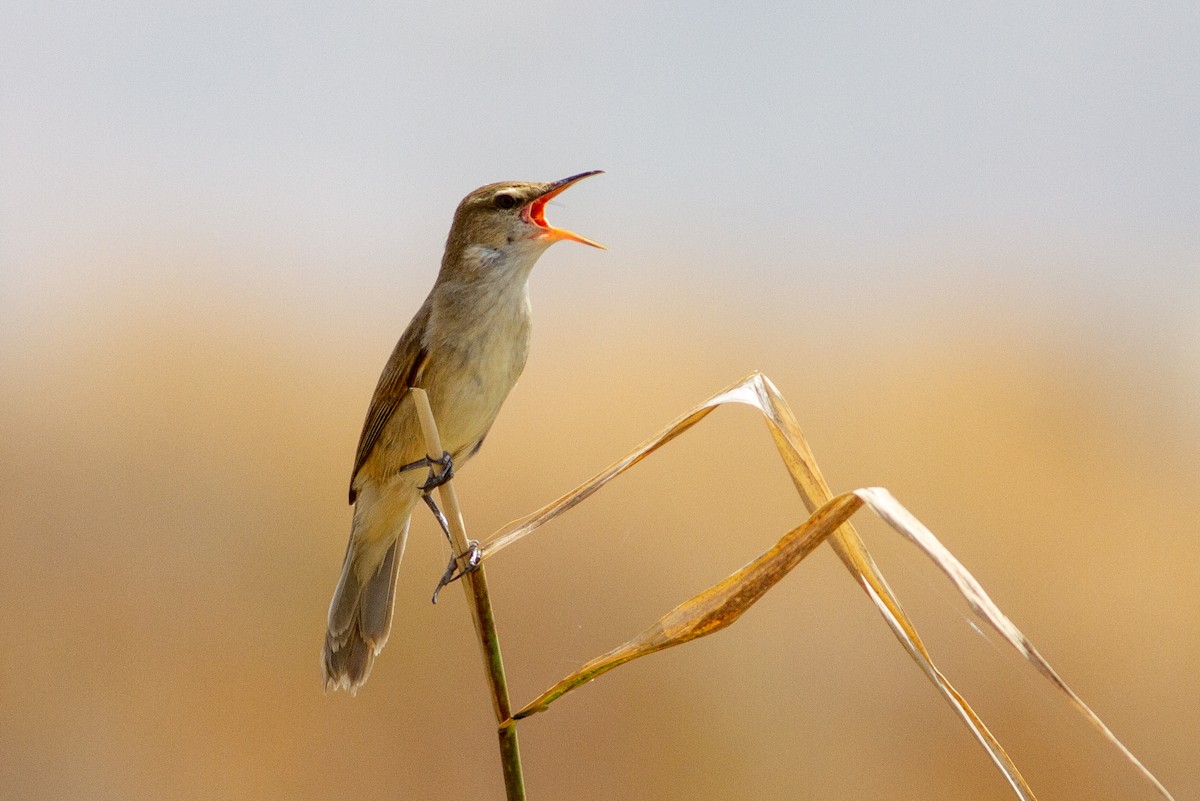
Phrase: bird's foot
(435, 479)
(472, 559)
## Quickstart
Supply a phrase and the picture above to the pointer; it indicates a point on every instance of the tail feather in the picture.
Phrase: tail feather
(344, 605)
(360, 615)
(349, 665)
(377, 600)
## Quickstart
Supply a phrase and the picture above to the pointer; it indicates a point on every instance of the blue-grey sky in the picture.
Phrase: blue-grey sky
(1041, 160)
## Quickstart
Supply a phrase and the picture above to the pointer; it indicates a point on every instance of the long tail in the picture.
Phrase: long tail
(360, 615)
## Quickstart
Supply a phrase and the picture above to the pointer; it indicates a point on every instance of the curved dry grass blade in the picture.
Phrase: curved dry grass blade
(884, 504)
(716, 607)
(519, 528)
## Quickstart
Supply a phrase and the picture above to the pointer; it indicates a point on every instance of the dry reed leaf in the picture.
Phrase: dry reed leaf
(719, 606)
(716, 607)
(884, 504)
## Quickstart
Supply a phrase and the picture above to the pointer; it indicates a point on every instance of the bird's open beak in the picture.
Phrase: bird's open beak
(535, 211)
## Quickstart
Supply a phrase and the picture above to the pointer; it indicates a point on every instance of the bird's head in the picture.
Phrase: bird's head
(507, 221)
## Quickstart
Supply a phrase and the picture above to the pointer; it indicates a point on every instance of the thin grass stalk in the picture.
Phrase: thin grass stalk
(479, 602)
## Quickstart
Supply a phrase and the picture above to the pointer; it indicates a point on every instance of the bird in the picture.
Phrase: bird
(466, 346)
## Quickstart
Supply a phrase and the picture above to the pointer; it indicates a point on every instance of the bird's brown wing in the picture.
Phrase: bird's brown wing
(403, 370)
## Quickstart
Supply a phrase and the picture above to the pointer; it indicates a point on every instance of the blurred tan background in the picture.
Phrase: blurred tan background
(963, 244)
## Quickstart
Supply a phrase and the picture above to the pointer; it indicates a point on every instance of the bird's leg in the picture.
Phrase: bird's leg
(471, 561)
(474, 556)
(437, 513)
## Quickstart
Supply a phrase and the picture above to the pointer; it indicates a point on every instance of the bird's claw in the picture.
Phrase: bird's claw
(472, 559)
(435, 480)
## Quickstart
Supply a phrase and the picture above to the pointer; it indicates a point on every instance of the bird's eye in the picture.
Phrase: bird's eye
(505, 201)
